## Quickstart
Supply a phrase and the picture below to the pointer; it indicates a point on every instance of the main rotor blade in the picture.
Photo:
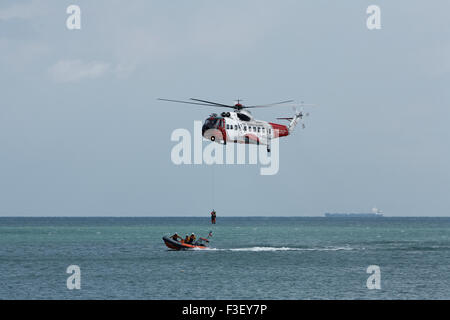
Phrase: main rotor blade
(188, 102)
(302, 104)
(270, 104)
(214, 103)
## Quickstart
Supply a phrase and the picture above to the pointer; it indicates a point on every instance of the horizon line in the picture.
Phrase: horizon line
(448, 216)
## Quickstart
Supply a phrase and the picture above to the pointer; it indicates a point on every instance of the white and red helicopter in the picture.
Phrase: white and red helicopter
(239, 126)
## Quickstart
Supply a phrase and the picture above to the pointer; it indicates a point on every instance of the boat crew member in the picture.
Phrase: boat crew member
(176, 237)
(186, 239)
(192, 238)
(213, 217)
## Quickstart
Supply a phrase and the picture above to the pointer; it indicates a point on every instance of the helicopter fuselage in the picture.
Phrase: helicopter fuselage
(241, 127)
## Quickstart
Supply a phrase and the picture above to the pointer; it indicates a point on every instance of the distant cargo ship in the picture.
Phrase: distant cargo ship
(374, 214)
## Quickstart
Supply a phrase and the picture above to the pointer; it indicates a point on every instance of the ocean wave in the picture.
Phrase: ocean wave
(261, 249)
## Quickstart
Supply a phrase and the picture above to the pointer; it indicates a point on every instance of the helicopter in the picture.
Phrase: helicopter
(239, 125)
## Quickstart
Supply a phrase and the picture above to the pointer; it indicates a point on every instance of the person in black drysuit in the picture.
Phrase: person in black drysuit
(176, 237)
(192, 239)
(213, 217)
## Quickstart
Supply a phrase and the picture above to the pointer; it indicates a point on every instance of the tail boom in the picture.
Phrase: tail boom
(294, 121)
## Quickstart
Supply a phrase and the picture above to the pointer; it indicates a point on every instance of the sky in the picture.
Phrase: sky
(83, 134)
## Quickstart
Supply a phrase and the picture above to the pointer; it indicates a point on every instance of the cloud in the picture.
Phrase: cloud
(132, 37)
(76, 70)
(147, 38)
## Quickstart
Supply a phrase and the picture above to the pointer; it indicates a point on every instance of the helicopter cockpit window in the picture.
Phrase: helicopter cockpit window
(243, 116)
(212, 122)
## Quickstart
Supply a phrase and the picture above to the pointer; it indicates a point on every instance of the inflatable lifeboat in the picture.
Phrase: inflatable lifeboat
(181, 245)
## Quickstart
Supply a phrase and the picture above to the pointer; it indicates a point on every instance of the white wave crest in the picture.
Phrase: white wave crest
(260, 249)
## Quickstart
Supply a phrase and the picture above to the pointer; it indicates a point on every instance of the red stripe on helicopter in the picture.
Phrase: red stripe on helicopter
(222, 129)
(279, 130)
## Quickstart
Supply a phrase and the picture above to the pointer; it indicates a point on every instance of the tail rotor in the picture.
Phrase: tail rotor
(301, 113)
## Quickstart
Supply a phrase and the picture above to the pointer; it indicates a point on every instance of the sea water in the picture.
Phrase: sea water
(249, 258)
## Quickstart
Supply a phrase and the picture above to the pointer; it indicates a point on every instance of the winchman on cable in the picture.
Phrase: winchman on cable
(213, 217)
